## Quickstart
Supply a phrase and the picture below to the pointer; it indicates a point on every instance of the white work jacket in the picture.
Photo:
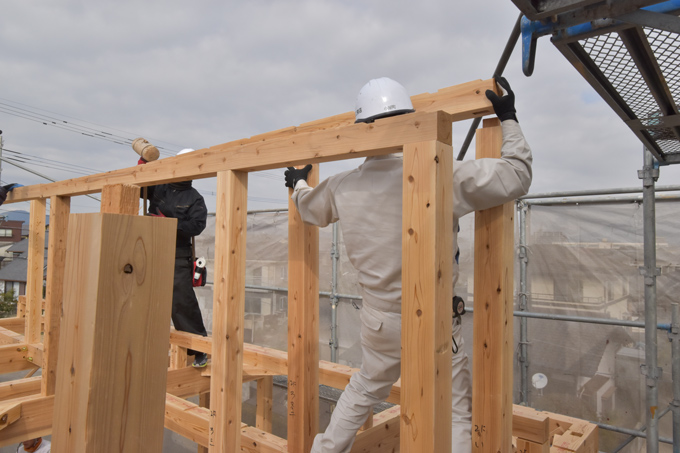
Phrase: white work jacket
(368, 203)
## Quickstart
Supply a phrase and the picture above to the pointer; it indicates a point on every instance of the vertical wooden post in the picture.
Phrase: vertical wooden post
(60, 208)
(34, 274)
(427, 261)
(493, 341)
(203, 401)
(178, 357)
(303, 328)
(112, 370)
(265, 402)
(229, 295)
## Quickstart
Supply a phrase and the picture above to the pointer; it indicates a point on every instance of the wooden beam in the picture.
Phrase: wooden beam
(265, 403)
(34, 273)
(35, 420)
(358, 140)
(13, 358)
(492, 332)
(203, 401)
(303, 327)
(10, 337)
(34, 354)
(427, 287)
(178, 357)
(228, 312)
(112, 368)
(60, 208)
(383, 437)
(19, 388)
(186, 382)
(120, 199)
(531, 425)
(9, 413)
(17, 325)
(191, 341)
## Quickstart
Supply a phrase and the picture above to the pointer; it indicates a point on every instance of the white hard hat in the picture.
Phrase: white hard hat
(186, 150)
(380, 98)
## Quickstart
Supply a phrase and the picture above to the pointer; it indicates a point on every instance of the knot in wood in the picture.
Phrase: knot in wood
(127, 268)
(419, 312)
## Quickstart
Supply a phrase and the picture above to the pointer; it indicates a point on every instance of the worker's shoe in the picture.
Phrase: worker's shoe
(201, 360)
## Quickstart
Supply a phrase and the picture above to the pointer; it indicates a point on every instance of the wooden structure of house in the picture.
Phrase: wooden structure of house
(102, 342)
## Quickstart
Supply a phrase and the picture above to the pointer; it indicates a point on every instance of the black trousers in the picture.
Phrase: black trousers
(186, 314)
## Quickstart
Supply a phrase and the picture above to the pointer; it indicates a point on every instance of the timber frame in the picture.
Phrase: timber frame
(68, 400)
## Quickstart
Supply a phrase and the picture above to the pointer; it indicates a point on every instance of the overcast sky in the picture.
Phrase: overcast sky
(197, 74)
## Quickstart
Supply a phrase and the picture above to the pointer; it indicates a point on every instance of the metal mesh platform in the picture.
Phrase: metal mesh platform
(631, 57)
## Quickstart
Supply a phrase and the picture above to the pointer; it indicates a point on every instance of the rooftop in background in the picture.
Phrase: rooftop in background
(628, 50)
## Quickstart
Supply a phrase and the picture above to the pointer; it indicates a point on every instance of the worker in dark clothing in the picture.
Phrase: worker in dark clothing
(181, 201)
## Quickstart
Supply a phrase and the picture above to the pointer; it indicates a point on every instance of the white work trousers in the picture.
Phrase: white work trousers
(381, 367)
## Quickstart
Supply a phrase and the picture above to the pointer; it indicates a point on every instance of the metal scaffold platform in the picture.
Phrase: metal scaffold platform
(629, 53)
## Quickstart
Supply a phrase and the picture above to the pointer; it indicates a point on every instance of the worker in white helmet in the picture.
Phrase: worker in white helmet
(37, 445)
(369, 199)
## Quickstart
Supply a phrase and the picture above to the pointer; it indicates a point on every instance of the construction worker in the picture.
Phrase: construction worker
(38, 445)
(4, 190)
(181, 201)
(367, 201)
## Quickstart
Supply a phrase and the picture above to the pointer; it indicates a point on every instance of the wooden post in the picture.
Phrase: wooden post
(112, 370)
(427, 261)
(493, 289)
(34, 274)
(303, 328)
(60, 208)
(229, 295)
(265, 402)
(178, 357)
(203, 401)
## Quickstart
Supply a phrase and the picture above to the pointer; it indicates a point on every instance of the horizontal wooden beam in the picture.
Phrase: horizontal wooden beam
(8, 336)
(191, 341)
(357, 140)
(16, 325)
(13, 358)
(529, 424)
(20, 388)
(9, 413)
(186, 382)
(383, 437)
(35, 420)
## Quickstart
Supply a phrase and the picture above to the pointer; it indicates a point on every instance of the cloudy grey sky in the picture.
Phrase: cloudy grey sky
(196, 74)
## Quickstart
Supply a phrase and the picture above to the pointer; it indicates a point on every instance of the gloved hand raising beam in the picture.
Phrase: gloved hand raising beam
(293, 175)
(503, 106)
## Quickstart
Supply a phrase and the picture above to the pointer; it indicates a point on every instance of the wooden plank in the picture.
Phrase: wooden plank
(358, 140)
(186, 382)
(187, 419)
(120, 199)
(383, 437)
(265, 404)
(34, 272)
(35, 421)
(19, 388)
(492, 332)
(13, 358)
(191, 341)
(111, 374)
(17, 325)
(427, 257)
(529, 424)
(60, 208)
(9, 413)
(228, 312)
(303, 327)
(203, 401)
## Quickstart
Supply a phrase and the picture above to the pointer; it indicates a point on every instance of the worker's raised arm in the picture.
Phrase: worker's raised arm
(315, 205)
(485, 183)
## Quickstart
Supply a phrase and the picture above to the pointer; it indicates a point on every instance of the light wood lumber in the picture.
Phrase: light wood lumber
(111, 374)
(492, 332)
(186, 382)
(17, 325)
(34, 354)
(531, 425)
(228, 312)
(9, 413)
(303, 327)
(187, 419)
(60, 208)
(120, 199)
(35, 420)
(203, 401)
(193, 341)
(34, 273)
(10, 337)
(13, 358)
(178, 357)
(525, 446)
(21, 306)
(19, 388)
(358, 140)
(581, 437)
(265, 403)
(383, 437)
(427, 257)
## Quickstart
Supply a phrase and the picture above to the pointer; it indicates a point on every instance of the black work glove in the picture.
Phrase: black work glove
(293, 175)
(503, 106)
(5, 189)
